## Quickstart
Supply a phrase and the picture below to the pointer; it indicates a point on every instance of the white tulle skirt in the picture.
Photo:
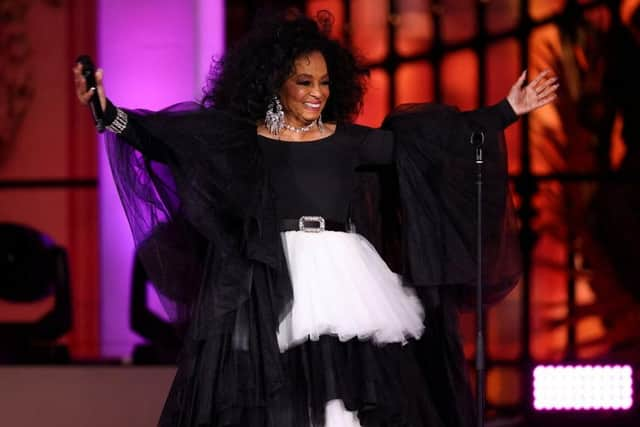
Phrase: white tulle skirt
(342, 287)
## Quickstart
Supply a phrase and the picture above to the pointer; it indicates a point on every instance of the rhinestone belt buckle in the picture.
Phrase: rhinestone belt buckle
(311, 224)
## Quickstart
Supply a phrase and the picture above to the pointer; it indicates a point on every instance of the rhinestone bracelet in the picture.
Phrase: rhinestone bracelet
(119, 123)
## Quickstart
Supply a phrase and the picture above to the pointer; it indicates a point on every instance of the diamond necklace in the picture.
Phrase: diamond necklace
(303, 129)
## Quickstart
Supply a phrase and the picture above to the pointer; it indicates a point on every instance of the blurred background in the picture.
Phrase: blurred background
(83, 340)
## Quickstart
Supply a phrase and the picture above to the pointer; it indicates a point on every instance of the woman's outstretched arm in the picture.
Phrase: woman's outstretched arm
(117, 120)
(521, 100)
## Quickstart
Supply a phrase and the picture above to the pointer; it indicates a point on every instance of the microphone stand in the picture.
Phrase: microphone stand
(477, 140)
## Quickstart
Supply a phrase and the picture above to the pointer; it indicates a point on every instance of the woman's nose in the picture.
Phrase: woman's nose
(315, 91)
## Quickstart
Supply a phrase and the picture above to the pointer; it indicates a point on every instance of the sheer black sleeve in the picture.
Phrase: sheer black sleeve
(127, 124)
(495, 117)
(436, 171)
(377, 148)
(191, 183)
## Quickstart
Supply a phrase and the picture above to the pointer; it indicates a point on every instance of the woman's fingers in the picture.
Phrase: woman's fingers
(540, 91)
(545, 91)
(544, 87)
(546, 100)
(548, 89)
(545, 84)
(521, 79)
(535, 82)
(100, 88)
(87, 96)
(83, 94)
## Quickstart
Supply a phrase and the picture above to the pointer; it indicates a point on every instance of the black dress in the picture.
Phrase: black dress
(204, 201)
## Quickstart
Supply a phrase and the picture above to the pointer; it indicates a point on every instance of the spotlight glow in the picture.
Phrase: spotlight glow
(587, 387)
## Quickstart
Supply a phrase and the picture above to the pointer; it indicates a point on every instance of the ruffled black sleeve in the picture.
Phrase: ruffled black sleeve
(191, 181)
(437, 185)
(130, 126)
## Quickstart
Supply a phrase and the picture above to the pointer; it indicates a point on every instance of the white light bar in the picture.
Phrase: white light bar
(586, 387)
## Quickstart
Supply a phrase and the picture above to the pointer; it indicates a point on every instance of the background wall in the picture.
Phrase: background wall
(48, 162)
(149, 63)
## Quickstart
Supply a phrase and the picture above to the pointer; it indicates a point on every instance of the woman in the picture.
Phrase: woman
(250, 213)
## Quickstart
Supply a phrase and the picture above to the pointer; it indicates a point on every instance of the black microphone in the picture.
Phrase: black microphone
(477, 140)
(88, 72)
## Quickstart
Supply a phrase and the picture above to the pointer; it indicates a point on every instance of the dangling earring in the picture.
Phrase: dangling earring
(274, 118)
(320, 124)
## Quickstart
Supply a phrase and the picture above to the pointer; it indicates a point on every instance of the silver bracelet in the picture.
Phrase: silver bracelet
(119, 123)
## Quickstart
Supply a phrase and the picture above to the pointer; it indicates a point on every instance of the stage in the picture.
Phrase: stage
(80, 396)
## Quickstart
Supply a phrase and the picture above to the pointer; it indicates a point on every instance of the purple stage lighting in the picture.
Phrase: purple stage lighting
(155, 54)
(582, 387)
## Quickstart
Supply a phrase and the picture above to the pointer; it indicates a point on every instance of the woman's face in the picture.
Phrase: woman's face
(304, 94)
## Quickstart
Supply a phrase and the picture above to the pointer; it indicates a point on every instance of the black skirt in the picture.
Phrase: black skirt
(222, 380)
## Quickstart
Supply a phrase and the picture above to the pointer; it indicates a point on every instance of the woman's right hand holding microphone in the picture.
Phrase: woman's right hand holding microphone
(83, 94)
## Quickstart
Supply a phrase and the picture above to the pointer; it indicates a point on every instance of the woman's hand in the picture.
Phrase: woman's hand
(541, 91)
(82, 93)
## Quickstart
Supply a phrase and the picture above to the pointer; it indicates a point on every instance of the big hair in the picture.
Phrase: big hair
(254, 70)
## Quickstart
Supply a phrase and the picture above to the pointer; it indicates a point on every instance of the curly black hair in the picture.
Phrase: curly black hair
(246, 78)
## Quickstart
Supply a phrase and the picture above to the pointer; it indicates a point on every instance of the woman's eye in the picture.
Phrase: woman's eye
(309, 83)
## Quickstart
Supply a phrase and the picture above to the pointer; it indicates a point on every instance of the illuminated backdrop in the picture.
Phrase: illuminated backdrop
(155, 53)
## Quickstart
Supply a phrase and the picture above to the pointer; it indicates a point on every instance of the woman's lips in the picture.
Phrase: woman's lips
(313, 106)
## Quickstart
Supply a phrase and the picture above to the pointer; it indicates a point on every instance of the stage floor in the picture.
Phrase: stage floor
(81, 396)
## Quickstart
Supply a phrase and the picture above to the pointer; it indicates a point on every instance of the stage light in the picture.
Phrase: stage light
(582, 387)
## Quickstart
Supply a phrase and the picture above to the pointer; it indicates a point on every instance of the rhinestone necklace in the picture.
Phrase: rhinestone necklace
(302, 129)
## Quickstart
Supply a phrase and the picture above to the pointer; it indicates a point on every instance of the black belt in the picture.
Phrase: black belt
(314, 224)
